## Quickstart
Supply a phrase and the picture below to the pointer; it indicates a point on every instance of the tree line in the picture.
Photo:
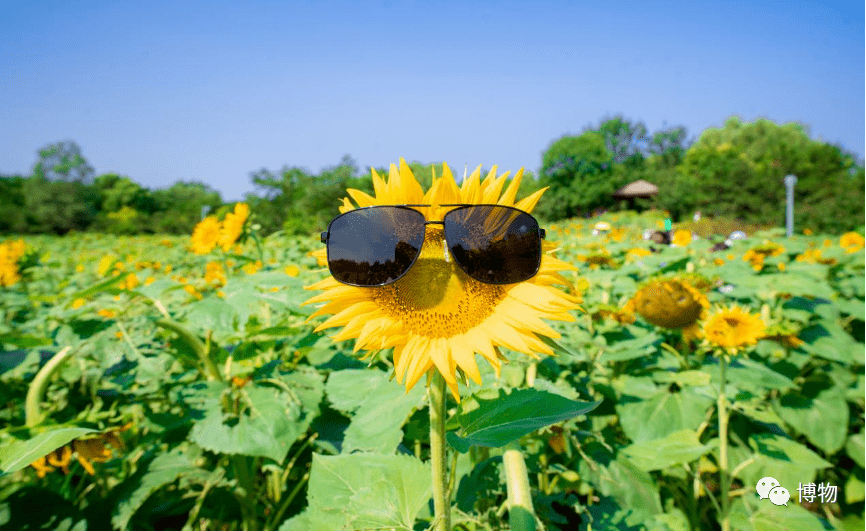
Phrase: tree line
(735, 171)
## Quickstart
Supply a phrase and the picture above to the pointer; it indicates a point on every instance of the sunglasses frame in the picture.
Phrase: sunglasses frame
(410, 206)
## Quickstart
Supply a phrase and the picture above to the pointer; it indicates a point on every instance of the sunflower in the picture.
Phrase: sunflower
(11, 253)
(233, 226)
(733, 328)
(669, 303)
(682, 238)
(435, 316)
(206, 235)
(214, 274)
(852, 242)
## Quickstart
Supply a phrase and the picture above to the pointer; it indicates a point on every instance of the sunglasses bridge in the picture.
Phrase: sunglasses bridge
(324, 235)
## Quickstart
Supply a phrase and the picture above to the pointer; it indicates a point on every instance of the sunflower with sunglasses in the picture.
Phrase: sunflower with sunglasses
(441, 275)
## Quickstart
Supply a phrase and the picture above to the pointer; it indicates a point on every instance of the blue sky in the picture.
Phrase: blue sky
(211, 91)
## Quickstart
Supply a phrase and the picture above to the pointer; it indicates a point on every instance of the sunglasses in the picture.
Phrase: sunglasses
(377, 245)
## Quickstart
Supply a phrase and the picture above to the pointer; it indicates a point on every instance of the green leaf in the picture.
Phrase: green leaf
(683, 378)
(785, 518)
(23, 340)
(104, 285)
(823, 419)
(378, 412)
(268, 422)
(665, 413)
(164, 469)
(19, 454)
(801, 285)
(854, 490)
(364, 491)
(633, 489)
(212, 313)
(495, 423)
(854, 447)
(678, 265)
(778, 457)
(830, 341)
(750, 375)
(852, 307)
(626, 349)
(679, 447)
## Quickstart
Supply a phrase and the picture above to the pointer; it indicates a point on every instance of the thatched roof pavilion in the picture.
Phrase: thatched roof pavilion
(639, 188)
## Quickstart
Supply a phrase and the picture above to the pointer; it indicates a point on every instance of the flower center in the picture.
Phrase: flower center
(436, 298)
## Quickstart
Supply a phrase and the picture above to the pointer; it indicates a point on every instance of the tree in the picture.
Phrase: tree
(179, 206)
(12, 204)
(578, 171)
(62, 161)
(668, 146)
(625, 139)
(737, 171)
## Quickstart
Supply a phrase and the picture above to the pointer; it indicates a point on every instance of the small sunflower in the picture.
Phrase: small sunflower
(682, 238)
(813, 256)
(669, 303)
(11, 253)
(852, 242)
(206, 235)
(233, 226)
(436, 317)
(733, 329)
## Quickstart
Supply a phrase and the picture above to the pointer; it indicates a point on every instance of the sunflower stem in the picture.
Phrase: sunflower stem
(441, 503)
(723, 447)
(36, 390)
(521, 515)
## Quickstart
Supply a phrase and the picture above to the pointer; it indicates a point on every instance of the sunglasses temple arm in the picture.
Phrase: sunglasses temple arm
(324, 237)
(541, 233)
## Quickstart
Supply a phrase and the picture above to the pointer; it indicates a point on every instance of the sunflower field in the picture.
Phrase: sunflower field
(223, 381)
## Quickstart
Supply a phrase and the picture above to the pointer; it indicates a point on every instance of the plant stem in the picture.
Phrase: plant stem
(36, 389)
(521, 515)
(441, 503)
(723, 447)
(242, 474)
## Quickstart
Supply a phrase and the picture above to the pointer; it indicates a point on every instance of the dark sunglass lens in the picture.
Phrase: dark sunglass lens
(494, 244)
(374, 246)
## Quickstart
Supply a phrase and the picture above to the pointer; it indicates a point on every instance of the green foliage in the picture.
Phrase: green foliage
(578, 171)
(363, 491)
(737, 171)
(503, 418)
(19, 454)
(62, 161)
(291, 431)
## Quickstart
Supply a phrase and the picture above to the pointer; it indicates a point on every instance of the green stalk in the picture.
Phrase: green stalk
(723, 447)
(208, 367)
(36, 390)
(521, 515)
(441, 503)
(248, 511)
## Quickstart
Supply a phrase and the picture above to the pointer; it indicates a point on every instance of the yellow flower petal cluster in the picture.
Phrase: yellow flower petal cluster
(210, 232)
(636, 253)
(130, 282)
(10, 253)
(756, 255)
(852, 242)
(215, 274)
(206, 235)
(436, 317)
(669, 303)
(233, 226)
(813, 256)
(682, 238)
(733, 329)
(87, 451)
